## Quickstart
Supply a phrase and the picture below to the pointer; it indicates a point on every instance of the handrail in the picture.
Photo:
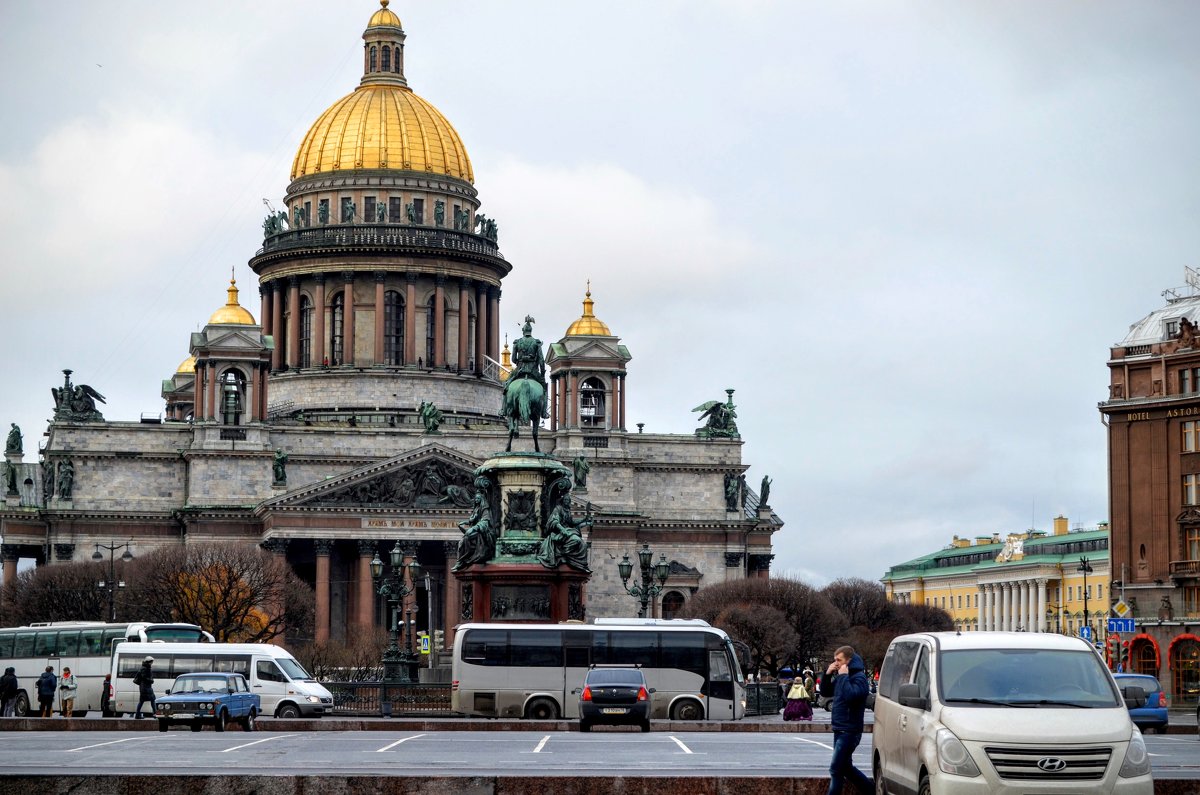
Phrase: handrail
(390, 235)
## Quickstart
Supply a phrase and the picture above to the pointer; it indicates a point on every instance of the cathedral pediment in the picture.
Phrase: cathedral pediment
(228, 339)
(589, 348)
(430, 477)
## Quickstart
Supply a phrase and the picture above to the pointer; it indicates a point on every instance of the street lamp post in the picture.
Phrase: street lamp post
(650, 573)
(397, 665)
(1086, 568)
(112, 583)
(1053, 609)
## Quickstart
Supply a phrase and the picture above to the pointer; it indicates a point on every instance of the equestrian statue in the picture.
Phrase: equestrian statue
(525, 390)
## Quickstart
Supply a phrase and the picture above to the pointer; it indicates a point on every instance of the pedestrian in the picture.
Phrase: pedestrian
(8, 691)
(144, 679)
(846, 682)
(106, 696)
(47, 683)
(67, 689)
(797, 707)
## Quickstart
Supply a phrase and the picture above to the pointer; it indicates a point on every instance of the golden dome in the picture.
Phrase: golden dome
(589, 325)
(384, 18)
(232, 314)
(506, 365)
(382, 126)
(187, 366)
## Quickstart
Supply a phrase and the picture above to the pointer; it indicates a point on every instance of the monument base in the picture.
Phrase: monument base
(522, 592)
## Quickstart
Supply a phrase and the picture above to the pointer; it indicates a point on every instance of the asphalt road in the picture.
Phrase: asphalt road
(412, 753)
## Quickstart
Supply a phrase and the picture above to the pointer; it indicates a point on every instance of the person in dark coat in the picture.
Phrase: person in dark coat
(106, 696)
(144, 679)
(846, 682)
(8, 691)
(47, 686)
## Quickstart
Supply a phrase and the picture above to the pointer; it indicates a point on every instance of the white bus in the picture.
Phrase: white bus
(531, 670)
(286, 689)
(83, 646)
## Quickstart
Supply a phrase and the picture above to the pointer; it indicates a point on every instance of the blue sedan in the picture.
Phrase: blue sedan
(1154, 714)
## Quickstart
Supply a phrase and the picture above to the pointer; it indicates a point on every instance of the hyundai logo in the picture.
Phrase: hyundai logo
(1052, 764)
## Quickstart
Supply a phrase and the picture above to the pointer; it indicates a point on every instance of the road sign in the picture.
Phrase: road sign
(1121, 609)
(1121, 625)
(1085, 633)
(424, 644)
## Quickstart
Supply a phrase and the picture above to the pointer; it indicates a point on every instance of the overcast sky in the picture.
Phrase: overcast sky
(906, 233)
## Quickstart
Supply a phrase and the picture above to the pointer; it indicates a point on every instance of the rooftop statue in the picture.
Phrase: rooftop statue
(719, 418)
(76, 403)
(525, 390)
(764, 491)
(13, 444)
(431, 416)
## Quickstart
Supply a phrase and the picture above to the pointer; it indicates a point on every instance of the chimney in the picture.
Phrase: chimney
(1060, 525)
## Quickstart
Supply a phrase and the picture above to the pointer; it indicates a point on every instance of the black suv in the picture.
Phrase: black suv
(614, 696)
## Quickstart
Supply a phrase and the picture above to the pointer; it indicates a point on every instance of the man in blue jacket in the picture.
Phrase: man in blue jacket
(846, 681)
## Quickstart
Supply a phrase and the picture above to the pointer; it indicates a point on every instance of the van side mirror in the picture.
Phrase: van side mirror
(909, 695)
(1134, 696)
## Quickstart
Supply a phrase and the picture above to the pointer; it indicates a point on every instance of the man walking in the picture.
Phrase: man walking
(846, 682)
(144, 679)
(47, 684)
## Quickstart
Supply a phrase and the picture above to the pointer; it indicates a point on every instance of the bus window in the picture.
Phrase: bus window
(486, 647)
(23, 646)
(170, 634)
(626, 648)
(188, 664)
(128, 665)
(45, 644)
(91, 643)
(111, 635)
(718, 666)
(232, 664)
(68, 644)
(6, 644)
(683, 651)
(535, 649)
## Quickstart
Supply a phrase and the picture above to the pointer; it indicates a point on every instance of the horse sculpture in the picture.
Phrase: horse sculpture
(524, 404)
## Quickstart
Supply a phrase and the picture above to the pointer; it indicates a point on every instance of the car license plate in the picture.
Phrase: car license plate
(180, 715)
(614, 711)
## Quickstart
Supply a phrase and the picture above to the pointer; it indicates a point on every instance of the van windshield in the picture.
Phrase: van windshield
(293, 669)
(1026, 678)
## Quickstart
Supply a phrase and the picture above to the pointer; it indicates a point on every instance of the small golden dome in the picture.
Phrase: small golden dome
(382, 126)
(589, 325)
(505, 361)
(384, 18)
(187, 366)
(232, 314)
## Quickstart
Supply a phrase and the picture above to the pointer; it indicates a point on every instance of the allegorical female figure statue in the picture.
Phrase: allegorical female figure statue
(563, 542)
(478, 544)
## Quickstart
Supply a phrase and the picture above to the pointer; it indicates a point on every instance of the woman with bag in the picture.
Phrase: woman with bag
(797, 707)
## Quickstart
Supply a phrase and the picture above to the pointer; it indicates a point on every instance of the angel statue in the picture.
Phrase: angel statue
(719, 418)
(76, 403)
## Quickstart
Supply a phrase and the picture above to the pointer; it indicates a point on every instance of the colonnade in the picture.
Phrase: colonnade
(1018, 604)
(564, 399)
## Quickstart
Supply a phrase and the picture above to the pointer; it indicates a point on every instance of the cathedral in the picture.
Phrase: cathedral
(347, 420)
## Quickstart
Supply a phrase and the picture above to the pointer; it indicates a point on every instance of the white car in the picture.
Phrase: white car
(1004, 712)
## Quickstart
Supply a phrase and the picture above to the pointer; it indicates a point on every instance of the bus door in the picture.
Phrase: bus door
(577, 658)
(720, 685)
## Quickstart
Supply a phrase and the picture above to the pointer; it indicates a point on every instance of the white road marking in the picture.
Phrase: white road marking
(542, 744)
(814, 742)
(110, 742)
(256, 742)
(393, 745)
(686, 750)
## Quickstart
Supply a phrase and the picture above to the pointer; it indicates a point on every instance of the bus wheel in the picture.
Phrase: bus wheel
(686, 710)
(542, 709)
(21, 709)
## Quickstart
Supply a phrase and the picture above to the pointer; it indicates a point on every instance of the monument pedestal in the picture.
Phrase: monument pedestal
(522, 592)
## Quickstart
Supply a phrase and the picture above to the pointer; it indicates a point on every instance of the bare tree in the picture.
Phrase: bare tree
(63, 592)
(862, 602)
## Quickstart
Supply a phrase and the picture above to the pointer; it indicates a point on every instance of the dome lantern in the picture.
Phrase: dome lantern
(383, 49)
(589, 325)
(233, 313)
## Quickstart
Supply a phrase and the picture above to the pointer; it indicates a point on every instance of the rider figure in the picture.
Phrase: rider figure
(528, 358)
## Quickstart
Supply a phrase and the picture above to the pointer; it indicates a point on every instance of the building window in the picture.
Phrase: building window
(306, 319)
(323, 211)
(1191, 542)
(1191, 489)
(233, 393)
(373, 59)
(1191, 436)
(1191, 600)
(591, 403)
(307, 214)
(369, 210)
(347, 210)
(386, 62)
(1189, 380)
(418, 211)
(338, 312)
(429, 339)
(395, 207)
(1070, 593)
(672, 603)
(393, 328)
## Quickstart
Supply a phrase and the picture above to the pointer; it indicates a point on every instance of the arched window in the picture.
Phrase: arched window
(233, 397)
(306, 319)
(336, 337)
(429, 338)
(393, 328)
(396, 65)
(372, 67)
(591, 403)
(672, 603)
(387, 59)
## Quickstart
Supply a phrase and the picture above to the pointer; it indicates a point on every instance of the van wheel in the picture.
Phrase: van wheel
(21, 708)
(288, 711)
(687, 710)
(923, 789)
(877, 774)
(222, 716)
(542, 709)
(248, 723)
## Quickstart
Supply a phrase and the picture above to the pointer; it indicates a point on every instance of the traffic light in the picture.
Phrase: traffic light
(439, 639)
(1125, 655)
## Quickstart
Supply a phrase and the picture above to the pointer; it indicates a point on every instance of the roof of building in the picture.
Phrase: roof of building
(188, 365)
(979, 557)
(1153, 327)
(232, 314)
(384, 17)
(589, 325)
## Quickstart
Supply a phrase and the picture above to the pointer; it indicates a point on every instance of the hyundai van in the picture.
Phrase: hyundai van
(1004, 712)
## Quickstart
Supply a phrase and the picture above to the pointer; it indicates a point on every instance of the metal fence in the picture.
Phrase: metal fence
(375, 698)
(763, 698)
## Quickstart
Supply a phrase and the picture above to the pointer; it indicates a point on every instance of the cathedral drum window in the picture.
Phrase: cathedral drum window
(233, 393)
(591, 403)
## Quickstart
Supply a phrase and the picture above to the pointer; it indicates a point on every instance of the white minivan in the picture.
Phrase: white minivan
(286, 689)
(1004, 712)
